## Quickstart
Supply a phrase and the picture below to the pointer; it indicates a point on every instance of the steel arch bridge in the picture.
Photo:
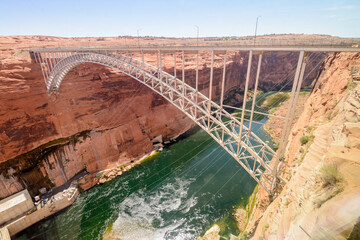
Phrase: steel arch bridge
(253, 154)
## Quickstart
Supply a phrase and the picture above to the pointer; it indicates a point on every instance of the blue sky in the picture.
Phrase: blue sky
(176, 18)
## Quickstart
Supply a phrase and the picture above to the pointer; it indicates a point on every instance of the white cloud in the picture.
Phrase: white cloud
(337, 8)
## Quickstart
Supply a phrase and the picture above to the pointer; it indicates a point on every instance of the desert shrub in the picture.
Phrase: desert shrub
(350, 84)
(330, 175)
(265, 227)
(305, 139)
(276, 146)
(330, 115)
(309, 129)
(332, 183)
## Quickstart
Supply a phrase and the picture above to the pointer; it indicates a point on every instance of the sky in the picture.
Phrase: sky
(177, 18)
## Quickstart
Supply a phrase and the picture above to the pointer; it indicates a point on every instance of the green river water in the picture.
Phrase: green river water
(181, 193)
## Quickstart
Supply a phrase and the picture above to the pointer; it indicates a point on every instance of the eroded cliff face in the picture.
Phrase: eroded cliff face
(100, 118)
(322, 195)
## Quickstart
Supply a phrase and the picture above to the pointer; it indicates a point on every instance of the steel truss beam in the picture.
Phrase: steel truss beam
(255, 156)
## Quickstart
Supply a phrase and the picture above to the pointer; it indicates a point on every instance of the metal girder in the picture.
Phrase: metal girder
(244, 146)
(194, 49)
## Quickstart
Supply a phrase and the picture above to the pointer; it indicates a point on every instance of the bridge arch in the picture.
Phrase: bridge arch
(255, 156)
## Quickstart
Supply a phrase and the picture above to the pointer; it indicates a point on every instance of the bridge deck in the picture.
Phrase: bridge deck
(255, 156)
(199, 48)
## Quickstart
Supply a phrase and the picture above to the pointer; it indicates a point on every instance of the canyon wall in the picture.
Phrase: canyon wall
(321, 199)
(100, 118)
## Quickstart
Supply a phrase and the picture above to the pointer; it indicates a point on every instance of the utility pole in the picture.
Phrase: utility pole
(138, 37)
(257, 19)
(197, 35)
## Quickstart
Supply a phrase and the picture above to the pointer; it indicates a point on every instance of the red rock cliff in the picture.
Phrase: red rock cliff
(101, 118)
(308, 205)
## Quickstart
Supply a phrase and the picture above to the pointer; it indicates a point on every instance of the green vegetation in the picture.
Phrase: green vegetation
(332, 183)
(274, 100)
(244, 235)
(276, 146)
(305, 139)
(287, 202)
(330, 115)
(310, 129)
(251, 205)
(259, 92)
(331, 176)
(225, 223)
(265, 102)
(266, 227)
(151, 157)
(308, 88)
(109, 229)
(289, 175)
(350, 84)
(249, 210)
(250, 94)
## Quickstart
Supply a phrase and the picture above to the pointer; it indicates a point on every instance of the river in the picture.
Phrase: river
(181, 193)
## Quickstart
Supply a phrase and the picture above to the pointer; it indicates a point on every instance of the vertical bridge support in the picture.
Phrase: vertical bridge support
(230, 131)
(298, 79)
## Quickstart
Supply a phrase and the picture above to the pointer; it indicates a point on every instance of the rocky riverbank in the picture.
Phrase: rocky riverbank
(323, 154)
(322, 147)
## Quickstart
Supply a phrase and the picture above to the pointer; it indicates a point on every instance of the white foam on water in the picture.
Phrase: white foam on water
(141, 214)
(191, 202)
(130, 228)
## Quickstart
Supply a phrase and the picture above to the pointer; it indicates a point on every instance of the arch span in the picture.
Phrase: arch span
(249, 150)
